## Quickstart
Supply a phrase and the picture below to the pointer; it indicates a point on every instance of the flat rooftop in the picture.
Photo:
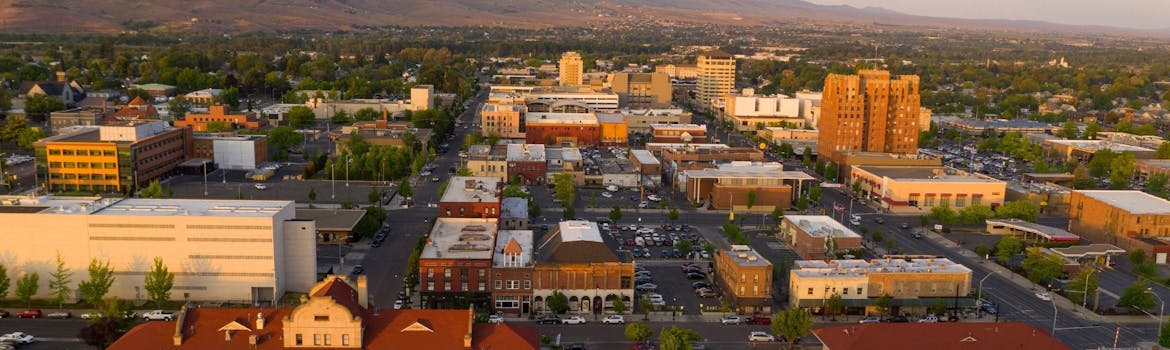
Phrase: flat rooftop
(1135, 202)
(683, 127)
(644, 157)
(526, 152)
(332, 219)
(464, 189)
(744, 255)
(579, 230)
(507, 243)
(140, 206)
(821, 226)
(610, 117)
(461, 238)
(1052, 233)
(1157, 163)
(561, 118)
(496, 107)
(924, 174)
(747, 172)
(1096, 145)
(861, 268)
(514, 208)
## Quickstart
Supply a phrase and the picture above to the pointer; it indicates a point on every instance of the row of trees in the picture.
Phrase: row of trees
(977, 213)
(790, 324)
(158, 283)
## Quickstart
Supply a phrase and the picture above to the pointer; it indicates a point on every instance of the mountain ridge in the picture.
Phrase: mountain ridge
(116, 16)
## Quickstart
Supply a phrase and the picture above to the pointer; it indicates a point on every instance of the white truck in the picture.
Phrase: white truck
(158, 315)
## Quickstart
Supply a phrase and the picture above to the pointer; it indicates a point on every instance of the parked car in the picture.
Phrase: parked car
(29, 314)
(696, 275)
(495, 319)
(733, 319)
(871, 319)
(4, 314)
(607, 194)
(158, 315)
(549, 319)
(917, 236)
(758, 336)
(928, 319)
(700, 284)
(904, 225)
(91, 315)
(1045, 296)
(398, 304)
(707, 293)
(879, 220)
(357, 270)
(59, 315)
(759, 320)
(647, 287)
(261, 187)
(898, 319)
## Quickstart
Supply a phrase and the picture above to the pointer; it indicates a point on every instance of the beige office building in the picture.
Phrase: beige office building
(716, 77)
(572, 69)
(219, 250)
(913, 284)
(641, 90)
(504, 120)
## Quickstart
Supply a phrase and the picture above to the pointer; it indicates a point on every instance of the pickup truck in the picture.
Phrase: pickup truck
(158, 315)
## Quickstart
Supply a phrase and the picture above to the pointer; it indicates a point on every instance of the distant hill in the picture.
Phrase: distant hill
(114, 16)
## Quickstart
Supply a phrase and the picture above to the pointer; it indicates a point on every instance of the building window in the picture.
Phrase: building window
(499, 284)
(345, 340)
(430, 273)
(527, 284)
(944, 201)
(447, 272)
(507, 302)
(316, 339)
(976, 200)
(513, 284)
(463, 287)
(845, 291)
(431, 286)
(327, 340)
(858, 290)
(481, 286)
(482, 273)
(960, 202)
(300, 339)
(321, 318)
(810, 291)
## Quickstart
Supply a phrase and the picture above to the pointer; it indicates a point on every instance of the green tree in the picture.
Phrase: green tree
(463, 172)
(301, 117)
(802, 203)
(975, 214)
(675, 338)
(229, 97)
(1137, 257)
(638, 332)
(42, 105)
(814, 194)
(884, 304)
(404, 188)
(777, 214)
(28, 136)
(684, 246)
(558, 303)
(218, 126)
(834, 305)
(944, 214)
(938, 306)
(158, 282)
(831, 172)
(672, 215)
(569, 213)
(26, 287)
(1069, 130)
(178, 107)
(1075, 290)
(312, 194)
(341, 117)
(615, 214)
(982, 250)
(564, 189)
(100, 280)
(1007, 247)
(793, 324)
(751, 199)
(1042, 267)
(366, 114)
(1081, 179)
(5, 282)
(619, 306)
(1018, 209)
(153, 190)
(1163, 151)
(13, 125)
(1156, 184)
(1092, 130)
(284, 138)
(1121, 170)
(1137, 296)
(59, 281)
(1164, 333)
(1100, 162)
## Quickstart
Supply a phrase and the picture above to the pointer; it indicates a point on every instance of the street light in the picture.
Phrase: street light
(348, 160)
(1161, 310)
(981, 283)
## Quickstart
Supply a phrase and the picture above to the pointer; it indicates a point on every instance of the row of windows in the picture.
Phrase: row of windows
(145, 226)
(228, 227)
(80, 152)
(230, 257)
(229, 239)
(844, 291)
(72, 176)
(512, 284)
(462, 286)
(322, 339)
(132, 239)
(83, 165)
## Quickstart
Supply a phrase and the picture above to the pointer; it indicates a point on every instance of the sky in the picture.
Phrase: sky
(1144, 14)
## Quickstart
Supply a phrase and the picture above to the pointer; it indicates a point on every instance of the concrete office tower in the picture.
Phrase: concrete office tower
(572, 69)
(716, 76)
(869, 112)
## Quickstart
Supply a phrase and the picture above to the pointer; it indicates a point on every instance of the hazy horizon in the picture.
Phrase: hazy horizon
(1143, 14)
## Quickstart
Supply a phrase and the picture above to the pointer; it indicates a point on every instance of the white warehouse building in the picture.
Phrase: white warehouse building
(219, 250)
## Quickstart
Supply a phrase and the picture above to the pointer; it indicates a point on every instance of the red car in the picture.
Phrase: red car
(759, 320)
(629, 243)
(29, 314)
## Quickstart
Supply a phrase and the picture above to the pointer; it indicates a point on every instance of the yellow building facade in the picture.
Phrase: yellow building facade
(92, 165)
(913, 189)
(716, 76)
(572, 69)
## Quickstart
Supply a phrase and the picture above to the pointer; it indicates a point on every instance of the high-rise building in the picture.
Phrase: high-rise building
(642, 90)
(716, 76)
(572, 69)
(869, 112)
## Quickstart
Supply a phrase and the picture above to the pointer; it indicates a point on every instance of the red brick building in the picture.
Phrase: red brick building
(563, 129)
(471, 197)
(219, 113)
(512, 272)
(528, 161)
(457, 261)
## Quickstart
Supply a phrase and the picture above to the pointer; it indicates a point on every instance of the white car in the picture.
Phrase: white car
(642, 204)
(614, 319)
(19, 337)
(647, 286)
(761, 336)
(573, 320)
(398, 304)
(645, 230)
(495, 319)
(929, 319)
(1045, 296)
(91, 315)
(654, 198)
(871, 319)
(261, 187)
(607, 194)
(733, 319)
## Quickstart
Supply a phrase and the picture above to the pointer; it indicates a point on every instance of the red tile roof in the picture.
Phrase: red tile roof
(504, 336)
(957, 336)
(200, 330)
(342, 293)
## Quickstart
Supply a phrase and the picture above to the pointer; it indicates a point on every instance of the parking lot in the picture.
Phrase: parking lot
(675, 287)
